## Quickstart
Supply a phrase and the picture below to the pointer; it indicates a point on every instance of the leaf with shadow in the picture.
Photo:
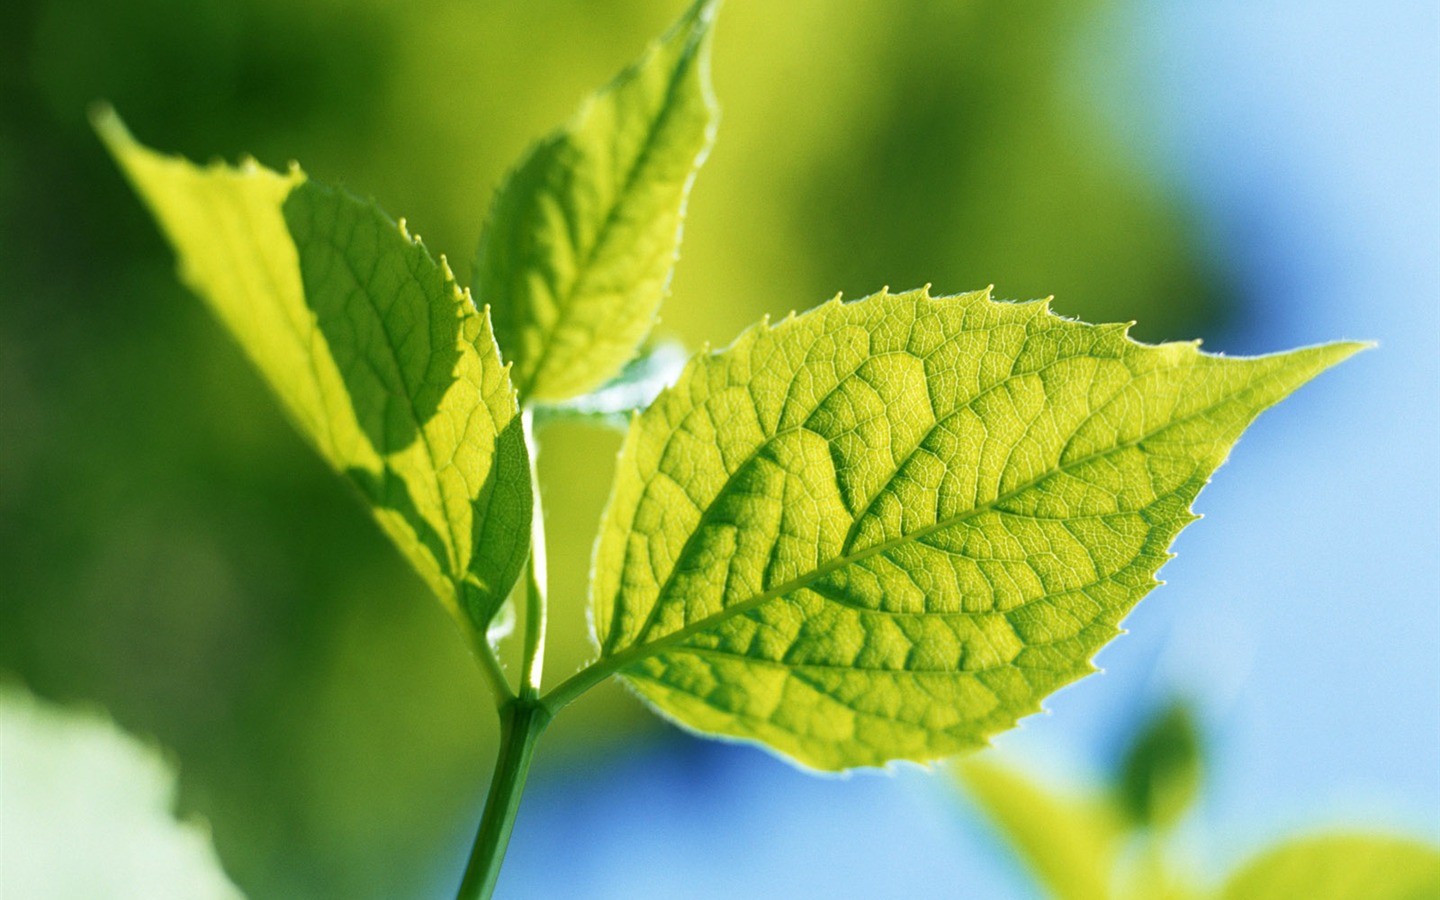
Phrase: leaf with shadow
(381, 360)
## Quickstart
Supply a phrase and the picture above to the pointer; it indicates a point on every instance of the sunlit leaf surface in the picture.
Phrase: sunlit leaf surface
(578, 249)
(383, 363)
(886, 529)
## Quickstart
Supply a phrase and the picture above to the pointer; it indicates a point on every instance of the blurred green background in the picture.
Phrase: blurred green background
(171, 550)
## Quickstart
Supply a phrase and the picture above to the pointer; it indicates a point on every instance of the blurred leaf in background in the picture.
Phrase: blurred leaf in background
(1071, 846)
(171, 548)
(1100, 844)
(1340, 867)
(87, 811)
(1117, 842)
(1159, 778)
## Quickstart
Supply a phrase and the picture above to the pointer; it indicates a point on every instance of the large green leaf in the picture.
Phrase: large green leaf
(383, 363)
(580, 242)
(886, 529)
(1341, 867)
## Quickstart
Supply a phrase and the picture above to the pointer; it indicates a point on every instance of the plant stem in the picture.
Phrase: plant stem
(533, 667)
(522, 720)
(490, 668)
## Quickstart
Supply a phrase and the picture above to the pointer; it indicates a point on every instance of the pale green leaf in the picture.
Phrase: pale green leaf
(635, 388)
(886, 529)
(383, 363)
(577, 252)
(1341, 867)
(1072, 847)
(1160, 776)
(86, 810)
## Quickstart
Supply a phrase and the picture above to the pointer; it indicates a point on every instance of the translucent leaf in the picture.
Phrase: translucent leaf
(1161, 773)
(580, 242)
(1340, 867)
(1071, 847)
(88, 811)
(886, 529)
(382, 362)
(635, 388)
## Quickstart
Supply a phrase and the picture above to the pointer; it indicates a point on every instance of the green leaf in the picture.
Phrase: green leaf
(1070, 846)
(1341, 867)
(581, 240)
(635, 388)
(1160, 776)
(382, 362)
(886, 529)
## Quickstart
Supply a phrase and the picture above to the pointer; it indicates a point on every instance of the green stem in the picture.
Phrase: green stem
(490, 668)
(522, 717)
(533, 667)
(579, 683)
(521, 723)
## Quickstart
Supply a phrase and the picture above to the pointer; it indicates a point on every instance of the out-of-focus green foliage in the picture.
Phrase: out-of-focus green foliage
(1340, 867)
(1160, 776)
(1114, 844)
(1070, 845)
(174, 552)
(87, 811)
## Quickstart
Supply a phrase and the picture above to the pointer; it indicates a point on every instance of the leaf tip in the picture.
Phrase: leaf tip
(107, 123)
(1343, 350)
(704, 11)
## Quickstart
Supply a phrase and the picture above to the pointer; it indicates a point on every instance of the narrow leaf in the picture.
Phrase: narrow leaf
(580, 242)
(1340, 867)
(383, 363)
(1072, 847)
(886, 529)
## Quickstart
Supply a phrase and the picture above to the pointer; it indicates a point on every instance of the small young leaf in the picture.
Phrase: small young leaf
(1072, 847)
(1161, 772)
(886, 529)
(635, 388)
(383, 363)
(1340, 867)
(577, 252)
